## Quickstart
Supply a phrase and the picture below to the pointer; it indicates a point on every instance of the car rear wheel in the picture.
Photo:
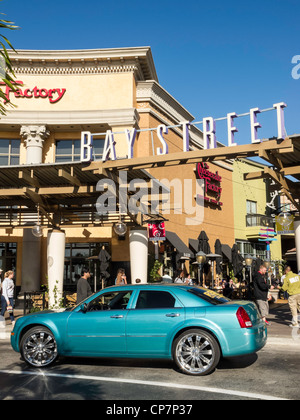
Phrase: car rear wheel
(196, 352)
(38, 347)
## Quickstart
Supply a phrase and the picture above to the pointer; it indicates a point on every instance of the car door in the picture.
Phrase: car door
(100, 330)
(152, 321)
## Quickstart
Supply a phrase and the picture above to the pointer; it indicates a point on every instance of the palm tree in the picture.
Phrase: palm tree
(6, 72)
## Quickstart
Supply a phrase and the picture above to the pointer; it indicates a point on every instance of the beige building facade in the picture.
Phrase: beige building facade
(60, 95)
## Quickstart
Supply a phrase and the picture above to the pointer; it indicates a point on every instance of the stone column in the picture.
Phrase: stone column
(138, 241)
(31, 262)
(297, 240)
(34, 137)
(55, 263)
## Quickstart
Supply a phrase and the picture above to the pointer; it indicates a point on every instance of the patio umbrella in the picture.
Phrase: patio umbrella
(104, 258)
(218, 250)
(237, 261)
(203, 244)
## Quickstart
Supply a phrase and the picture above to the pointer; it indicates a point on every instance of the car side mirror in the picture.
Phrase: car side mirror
(84, 307)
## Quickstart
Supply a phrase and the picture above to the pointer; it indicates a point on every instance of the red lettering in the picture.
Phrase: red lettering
(35, 92)
(43, 93)
(27, 93)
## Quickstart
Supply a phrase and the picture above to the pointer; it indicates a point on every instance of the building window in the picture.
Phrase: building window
(69, 150)
(256, 250)
(8, 257)
(77, 257)
(251, 209)
(9, 152)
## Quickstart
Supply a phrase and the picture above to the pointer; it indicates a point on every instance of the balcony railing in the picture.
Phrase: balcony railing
(259, 220)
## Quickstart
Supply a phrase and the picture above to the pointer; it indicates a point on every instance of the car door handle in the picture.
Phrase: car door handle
(117, 316)
(172, 315)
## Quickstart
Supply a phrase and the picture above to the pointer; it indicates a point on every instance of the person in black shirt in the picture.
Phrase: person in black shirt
(83, 287)
(261, 291)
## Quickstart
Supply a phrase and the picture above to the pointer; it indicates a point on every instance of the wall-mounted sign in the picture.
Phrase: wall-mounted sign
(209, 135)
(213, 189)
(285, 223)
(156, 231)
(54, 95)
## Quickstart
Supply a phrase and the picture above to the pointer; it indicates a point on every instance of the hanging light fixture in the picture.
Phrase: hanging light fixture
(120, 228)
(37, 230)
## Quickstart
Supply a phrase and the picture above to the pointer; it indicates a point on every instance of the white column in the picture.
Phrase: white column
(55, 263)
(138, 242)
(297, 240)
(34, 136)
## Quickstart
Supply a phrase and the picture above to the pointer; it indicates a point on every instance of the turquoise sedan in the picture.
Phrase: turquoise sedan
(191, 325)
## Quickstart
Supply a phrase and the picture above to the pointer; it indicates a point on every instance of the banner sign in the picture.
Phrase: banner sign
(156, 231)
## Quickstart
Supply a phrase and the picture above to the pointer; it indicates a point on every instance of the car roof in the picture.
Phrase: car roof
(154, 285)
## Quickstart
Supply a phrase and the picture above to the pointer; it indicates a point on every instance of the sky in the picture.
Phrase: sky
(214, 57)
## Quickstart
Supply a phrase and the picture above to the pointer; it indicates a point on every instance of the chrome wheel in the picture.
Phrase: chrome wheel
(39, 347)
(196, 352)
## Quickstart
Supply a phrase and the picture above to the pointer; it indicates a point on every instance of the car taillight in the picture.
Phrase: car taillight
(243, 318)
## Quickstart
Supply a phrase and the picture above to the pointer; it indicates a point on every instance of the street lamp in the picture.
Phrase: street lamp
(248, 261)
(201, 259)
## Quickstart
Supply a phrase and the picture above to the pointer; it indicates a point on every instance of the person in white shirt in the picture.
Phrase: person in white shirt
(7, 298)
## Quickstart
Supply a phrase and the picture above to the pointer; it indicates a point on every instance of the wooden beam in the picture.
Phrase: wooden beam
(68, 177)
(293, 170)
(192, 157)
(34, 196)
(30, 179)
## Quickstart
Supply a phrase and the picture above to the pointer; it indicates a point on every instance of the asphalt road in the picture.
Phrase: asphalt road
(270, 374)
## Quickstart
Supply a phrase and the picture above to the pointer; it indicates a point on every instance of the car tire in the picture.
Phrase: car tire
(196, 352)
(38, 347)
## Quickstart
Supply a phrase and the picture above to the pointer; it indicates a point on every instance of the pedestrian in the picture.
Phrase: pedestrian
(180, 277)
(7, 297)
(166, 278)
(188, 280)
(121, 277)
(261, 292)
(286, 270)
(83, 287)
(291, 285)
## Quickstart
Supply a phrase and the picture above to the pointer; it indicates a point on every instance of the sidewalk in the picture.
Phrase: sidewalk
(279, 333)
(5, 332)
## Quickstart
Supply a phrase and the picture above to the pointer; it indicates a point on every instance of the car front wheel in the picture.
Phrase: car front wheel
(196, 352)
(38, 347)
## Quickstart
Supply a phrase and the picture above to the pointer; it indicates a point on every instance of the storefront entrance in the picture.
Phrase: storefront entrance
(79, 256)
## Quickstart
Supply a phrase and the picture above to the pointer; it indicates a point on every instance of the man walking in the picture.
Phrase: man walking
(261, 291)
(83, 287)
(291, 285)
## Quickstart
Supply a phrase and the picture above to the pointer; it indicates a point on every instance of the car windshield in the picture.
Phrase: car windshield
(209, 295)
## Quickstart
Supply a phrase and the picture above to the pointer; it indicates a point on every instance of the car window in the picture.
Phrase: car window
(109, 301)
(155, 299)
(209, 295)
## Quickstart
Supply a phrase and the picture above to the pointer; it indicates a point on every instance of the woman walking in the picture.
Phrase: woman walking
(7, 298)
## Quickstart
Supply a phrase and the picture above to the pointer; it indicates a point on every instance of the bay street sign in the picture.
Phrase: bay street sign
(209, 134)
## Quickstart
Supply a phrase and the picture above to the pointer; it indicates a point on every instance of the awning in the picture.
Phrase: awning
(180, 246)
(193, 243)
(226, 251)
